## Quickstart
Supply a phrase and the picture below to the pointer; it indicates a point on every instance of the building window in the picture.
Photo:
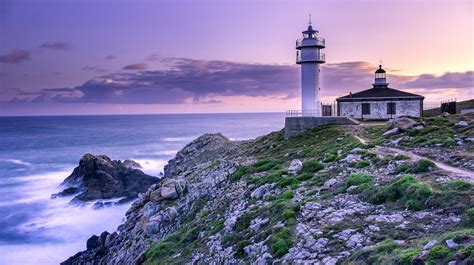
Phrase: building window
(365, 108)
(391, 108)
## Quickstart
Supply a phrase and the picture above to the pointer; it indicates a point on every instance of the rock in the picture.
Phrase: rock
(453, 262)
(352, 188)
(172, 188)
(352, 158)
(374, 228)
(430, 244)
(66, 192)
(384, 218)
(451, 244)
(230, 223)
(391, 132)
(295, 167)
(262, 260)
(329, 261)
(461, 124)
(330, 183)
(93, 242)
(99, 177)
(402, 123)
(257, 223)
(155, 195)
(168, 190)
(259, 192)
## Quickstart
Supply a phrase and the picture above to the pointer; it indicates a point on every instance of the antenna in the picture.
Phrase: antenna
(381, 62)
(309, 19)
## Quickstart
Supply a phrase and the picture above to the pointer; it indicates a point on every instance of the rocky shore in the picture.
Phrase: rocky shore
(100, 178)
(322, 197)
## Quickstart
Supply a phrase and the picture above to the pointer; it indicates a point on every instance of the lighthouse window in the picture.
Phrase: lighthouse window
(391, 108)
(365, 108)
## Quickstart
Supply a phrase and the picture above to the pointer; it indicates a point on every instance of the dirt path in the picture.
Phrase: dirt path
(413, 156)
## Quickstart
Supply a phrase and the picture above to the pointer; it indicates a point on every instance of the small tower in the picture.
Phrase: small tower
(309, 55)
(380, 78)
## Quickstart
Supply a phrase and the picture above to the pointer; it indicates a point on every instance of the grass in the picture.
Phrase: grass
(406, 191)
(419, 166)
(312, 166)
(281, 242)
(362, 164)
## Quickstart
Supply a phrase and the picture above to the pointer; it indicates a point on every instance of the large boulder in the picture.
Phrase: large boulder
(99, 177)
(402, 123)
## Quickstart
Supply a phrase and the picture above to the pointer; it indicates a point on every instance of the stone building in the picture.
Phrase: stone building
(380, 102)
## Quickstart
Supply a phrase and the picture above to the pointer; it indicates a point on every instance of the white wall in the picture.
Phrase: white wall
(309, 88)
(378, 109)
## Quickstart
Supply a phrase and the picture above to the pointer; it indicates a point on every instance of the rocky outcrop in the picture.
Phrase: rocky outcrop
(195, 174)
(99, 177)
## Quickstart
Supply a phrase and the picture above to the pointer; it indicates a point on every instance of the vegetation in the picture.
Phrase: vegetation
(419, 166)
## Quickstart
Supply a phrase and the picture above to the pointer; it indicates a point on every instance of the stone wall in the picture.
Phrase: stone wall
(297, 125)
(378, 109)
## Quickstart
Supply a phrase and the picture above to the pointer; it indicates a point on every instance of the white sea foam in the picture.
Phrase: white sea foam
(152, 166)
(17, 162)
(179, 139)
(58, 221)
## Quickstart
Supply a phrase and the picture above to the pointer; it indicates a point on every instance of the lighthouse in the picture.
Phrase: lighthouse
(309, 56)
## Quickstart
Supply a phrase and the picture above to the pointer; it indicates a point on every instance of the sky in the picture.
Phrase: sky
(81, 57)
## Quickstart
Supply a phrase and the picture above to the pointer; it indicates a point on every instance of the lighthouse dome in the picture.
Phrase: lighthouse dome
(380, 70)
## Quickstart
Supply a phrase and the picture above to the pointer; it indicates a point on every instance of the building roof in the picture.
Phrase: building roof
(377, 93)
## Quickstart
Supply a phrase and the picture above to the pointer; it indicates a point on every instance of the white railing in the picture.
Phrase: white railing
(326, 110)
(308, 42)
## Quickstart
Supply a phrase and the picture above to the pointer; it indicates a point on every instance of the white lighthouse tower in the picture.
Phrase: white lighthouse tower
(309, 55)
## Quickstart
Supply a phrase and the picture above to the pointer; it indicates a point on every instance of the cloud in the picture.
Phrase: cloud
(447, 80)
(15, 56)
(58, 45)
(188, 81)
(153, 57)
(95, 69)
(136, 66)
(110, 57)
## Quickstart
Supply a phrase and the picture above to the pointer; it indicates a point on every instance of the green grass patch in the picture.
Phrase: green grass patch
(362, 164)
(419, 166)
(406, 191)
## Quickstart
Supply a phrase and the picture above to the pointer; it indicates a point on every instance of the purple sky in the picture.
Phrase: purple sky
(113, 57)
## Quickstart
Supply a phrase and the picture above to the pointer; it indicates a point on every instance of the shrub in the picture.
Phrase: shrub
(239, 253)
(243, 222)
(265, 165)
(287, 194)
(288, 181)
(449, 142)
(281, 242)
(419, 166)
(401, 157)
(312, 166)
(358, 178)
(440, 252)
(305, 176)
(362, 164)
(289, 213)
(405, 190)
(407, 255)
(238, 173)
(469, 217)
(330, 158)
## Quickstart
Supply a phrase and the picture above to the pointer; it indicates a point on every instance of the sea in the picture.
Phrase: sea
(37, 153)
